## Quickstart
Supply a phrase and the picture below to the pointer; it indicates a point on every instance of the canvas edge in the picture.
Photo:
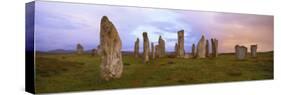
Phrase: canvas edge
(29, 47)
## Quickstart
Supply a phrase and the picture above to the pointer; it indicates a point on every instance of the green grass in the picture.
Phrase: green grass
(71, 72)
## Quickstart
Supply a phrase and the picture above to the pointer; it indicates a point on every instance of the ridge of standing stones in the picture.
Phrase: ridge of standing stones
(241, 51)
(111, 56)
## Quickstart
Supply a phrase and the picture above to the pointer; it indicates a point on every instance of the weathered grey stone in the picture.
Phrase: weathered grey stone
(180, 48)
(145, 48)
(176, 49)
(254, 50)
(241, 52)
(161, 44)
(79, 49)
(157, 51)
(236, 49)
(94, 52)
(214, 47)
(99, 50)
(111, 55)
(136, 49)
(152, 51)
(193, 52)
(207, 48)
(201, 48)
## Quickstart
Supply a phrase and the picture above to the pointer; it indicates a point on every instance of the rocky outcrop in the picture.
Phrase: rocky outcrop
(110, 45)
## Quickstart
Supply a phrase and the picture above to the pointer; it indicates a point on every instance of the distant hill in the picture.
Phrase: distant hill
(61, 51)
(123, 52)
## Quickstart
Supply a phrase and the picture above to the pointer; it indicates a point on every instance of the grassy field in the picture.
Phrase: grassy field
(71, 72)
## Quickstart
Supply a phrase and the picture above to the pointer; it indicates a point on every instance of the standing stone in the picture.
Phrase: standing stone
(207, 48)
(161, 44)
(241, 52)
(145, 48)
(254, 50)
(236, 50)
(152, 51)
(94, 52)
(193, 52)
(176, 49)
(136, 49)
(214, 47)
(180, 45)
(111, 55)
(157, 51)
(201, 48)
(79, 49)
(99, 50)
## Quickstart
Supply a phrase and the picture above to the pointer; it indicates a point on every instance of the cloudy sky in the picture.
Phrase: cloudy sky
(63, 25)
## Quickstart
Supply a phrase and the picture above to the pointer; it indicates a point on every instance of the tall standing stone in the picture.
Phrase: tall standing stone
(99, 50)
(193, 52)
(207, 48)
(145, 48)
(180, 45)
(94, 52)
(161, 44)
(201, 48)
(236, 50)
(176, 49)
(111, 55)
(241, 52)
(79, 49)
(214, 47)
(157, 51)
(152, 51)
(136, 49)
(254, 50)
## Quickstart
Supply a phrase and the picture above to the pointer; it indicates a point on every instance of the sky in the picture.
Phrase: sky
(63, 25)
